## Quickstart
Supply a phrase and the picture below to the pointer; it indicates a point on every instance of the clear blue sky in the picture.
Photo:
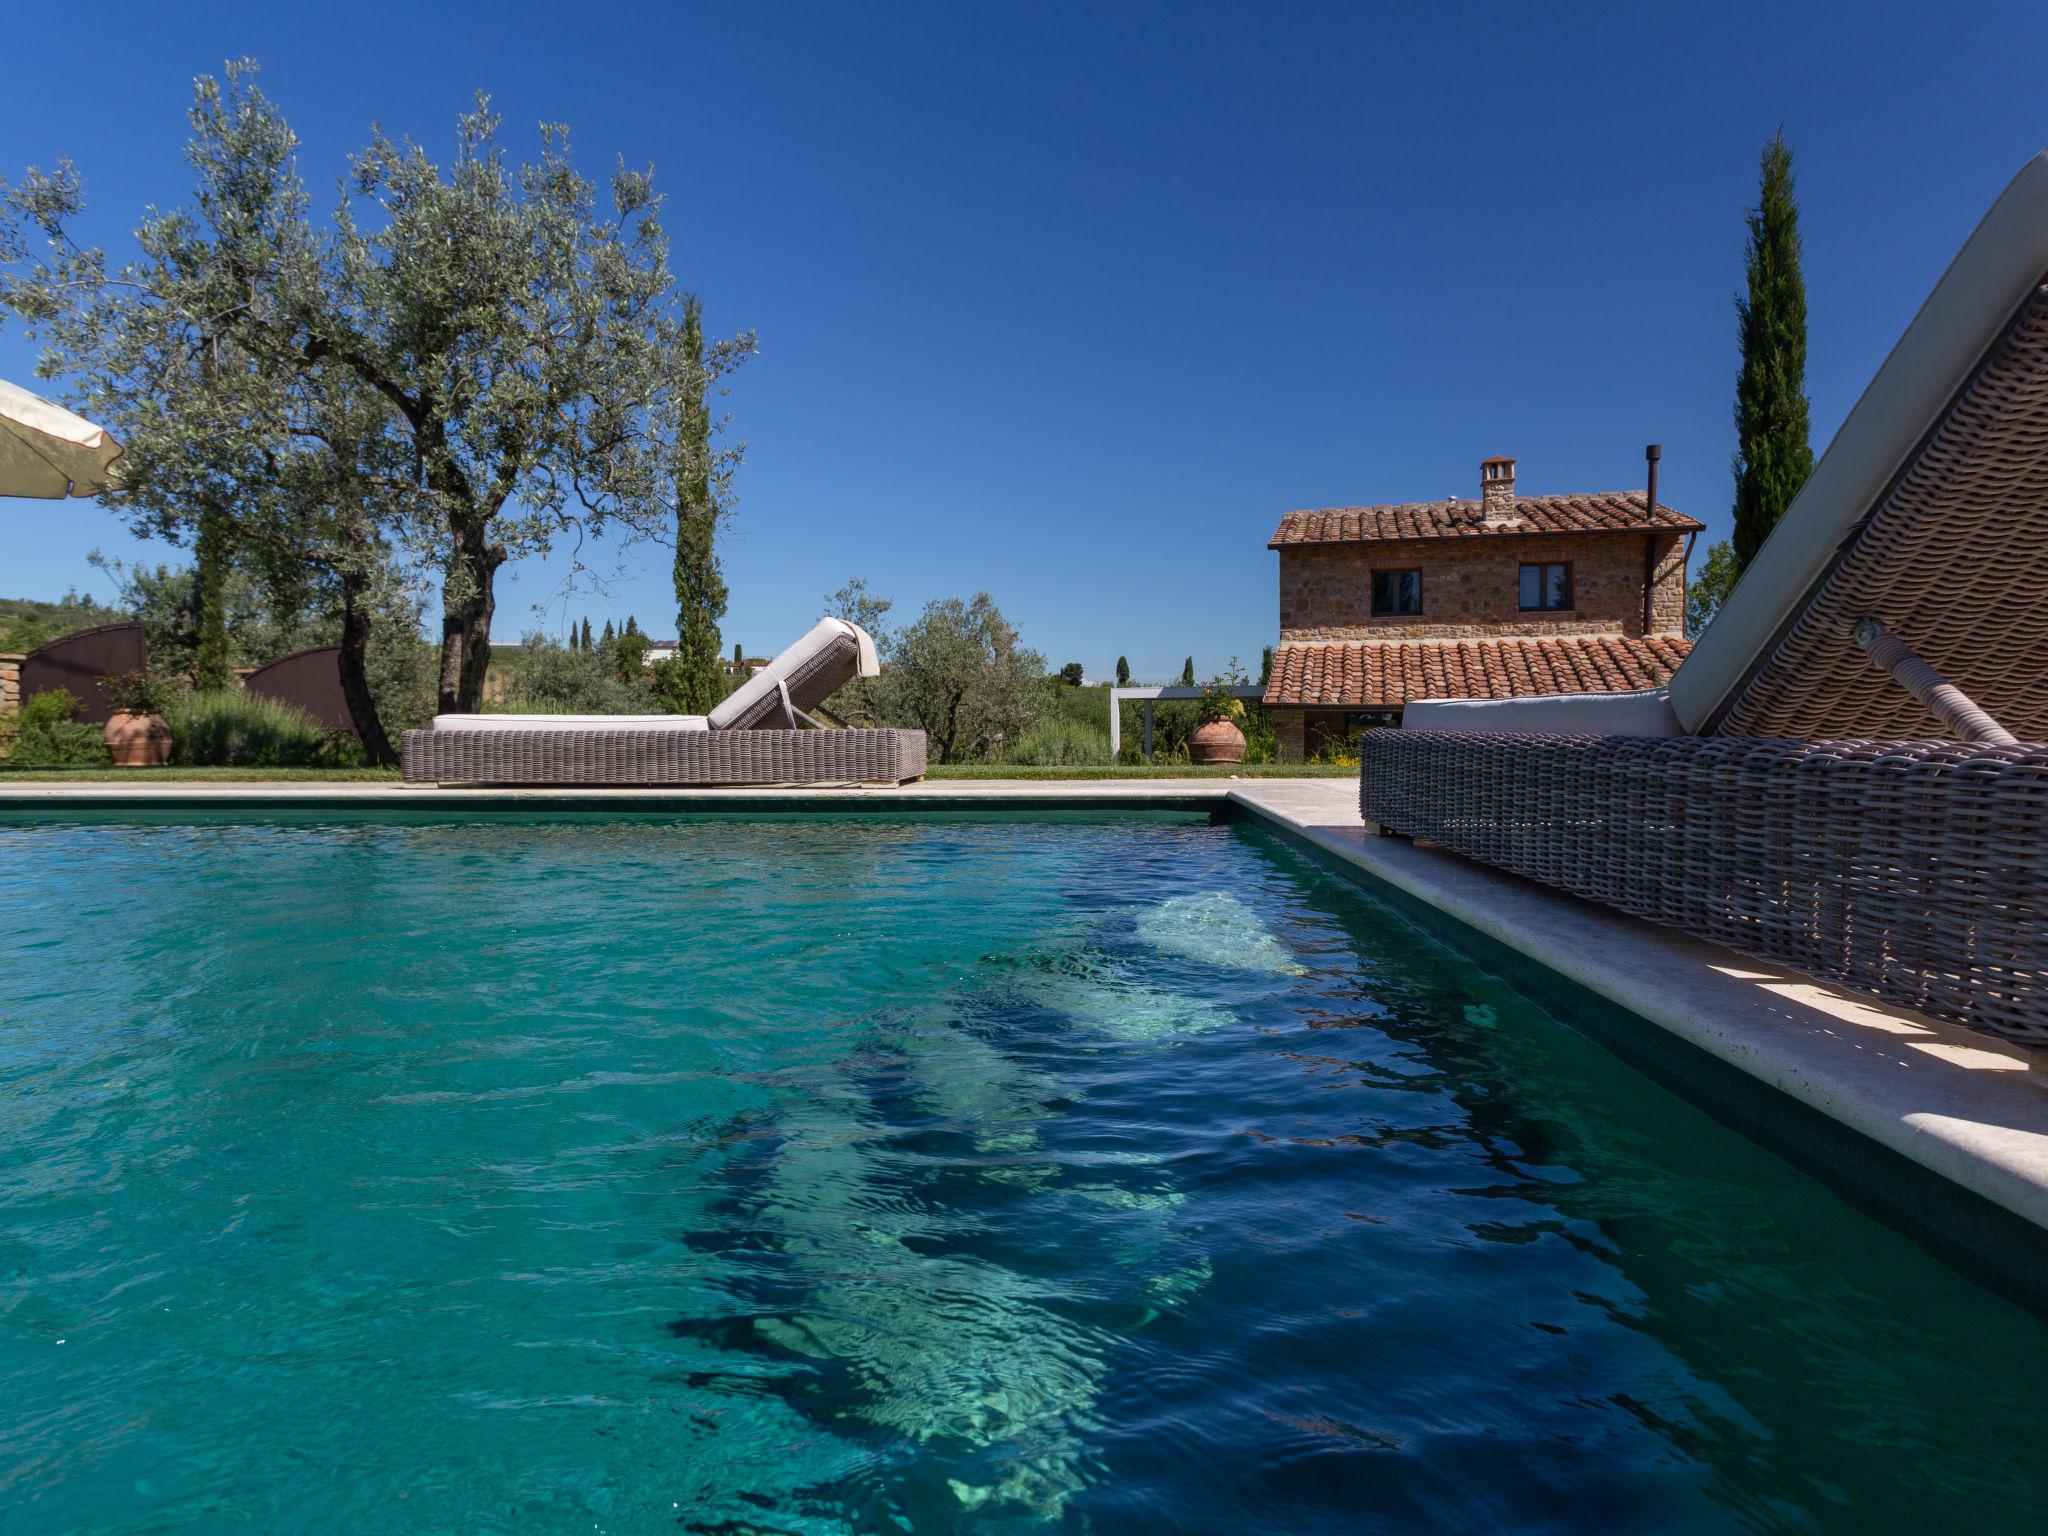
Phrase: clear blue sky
(1071, 303)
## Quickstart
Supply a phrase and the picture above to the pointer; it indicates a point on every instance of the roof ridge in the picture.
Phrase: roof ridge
(1474, 502)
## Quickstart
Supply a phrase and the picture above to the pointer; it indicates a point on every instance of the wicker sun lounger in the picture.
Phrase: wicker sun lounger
(1848, 773)
(758, 736)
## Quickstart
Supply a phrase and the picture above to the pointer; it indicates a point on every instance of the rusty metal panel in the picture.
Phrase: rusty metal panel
(310, 679)
(78, 662)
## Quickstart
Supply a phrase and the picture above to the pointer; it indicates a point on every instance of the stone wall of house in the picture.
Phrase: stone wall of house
(1288, 734)
(10, 680)
(1471, 587)
(1298, 732)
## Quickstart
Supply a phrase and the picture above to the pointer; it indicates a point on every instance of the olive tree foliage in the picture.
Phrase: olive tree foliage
(194, 353)
(1710, 589)
(529, 345)
(857, 605)
(458, 366)
(545, 678)
(861, 700)
(958, 674)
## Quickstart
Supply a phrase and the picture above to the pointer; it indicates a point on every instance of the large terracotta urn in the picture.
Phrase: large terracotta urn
(138, 740)
(1220, 741)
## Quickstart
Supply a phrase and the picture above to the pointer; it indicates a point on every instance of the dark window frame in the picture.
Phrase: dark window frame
(1571, 586)
(1379, 612)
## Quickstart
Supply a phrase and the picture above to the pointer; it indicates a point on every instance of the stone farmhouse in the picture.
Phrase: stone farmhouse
(1496, 598)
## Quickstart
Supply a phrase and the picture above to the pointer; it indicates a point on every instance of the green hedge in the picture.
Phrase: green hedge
(42, 734)
(233, 729)
(1057, 742)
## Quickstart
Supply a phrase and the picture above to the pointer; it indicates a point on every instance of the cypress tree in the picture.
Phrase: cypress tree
(700, 586)
(739, 656)
(605, 639)
(1773, 456)
(586, 632)
(1266, 666)
(632, 625)
(1187, 673)
(1123, 673)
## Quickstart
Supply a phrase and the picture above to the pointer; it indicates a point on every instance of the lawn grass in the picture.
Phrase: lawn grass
(390, 775)
(9, 775)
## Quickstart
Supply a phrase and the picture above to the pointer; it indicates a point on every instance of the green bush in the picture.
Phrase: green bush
(66, 744)
(145, 691)
(53, 706)
(1261, 744)
(1058, 743)
(546, 679)
(670, 688)
(42, 734)
(629, 656)
(233, 729)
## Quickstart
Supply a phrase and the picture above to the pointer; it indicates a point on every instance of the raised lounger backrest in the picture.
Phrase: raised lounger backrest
(1925, 513)
(831, 655)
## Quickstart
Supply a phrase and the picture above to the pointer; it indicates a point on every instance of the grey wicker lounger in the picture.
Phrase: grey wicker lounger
(758, 736)
(1849, 773)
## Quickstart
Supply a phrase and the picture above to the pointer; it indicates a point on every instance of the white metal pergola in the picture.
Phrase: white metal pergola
(1150, 696)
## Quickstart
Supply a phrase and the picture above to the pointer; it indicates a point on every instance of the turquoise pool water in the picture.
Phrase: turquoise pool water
(615, 1175)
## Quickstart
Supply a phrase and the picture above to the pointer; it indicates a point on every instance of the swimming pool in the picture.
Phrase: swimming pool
(804, 1175)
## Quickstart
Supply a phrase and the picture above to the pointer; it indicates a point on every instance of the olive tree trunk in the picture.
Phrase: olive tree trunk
(355, 669)
(466, 620)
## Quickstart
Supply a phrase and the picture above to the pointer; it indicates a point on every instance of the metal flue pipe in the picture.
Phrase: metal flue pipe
(1652, 454)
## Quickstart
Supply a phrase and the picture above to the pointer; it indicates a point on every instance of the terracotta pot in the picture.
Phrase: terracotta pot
(138, 741)
(1220, 741)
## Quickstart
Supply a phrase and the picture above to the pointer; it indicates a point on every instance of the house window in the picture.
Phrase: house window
(1546, 586)
(1397, 591)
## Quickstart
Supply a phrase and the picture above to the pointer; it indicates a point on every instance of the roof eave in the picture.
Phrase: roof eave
(1687, 525)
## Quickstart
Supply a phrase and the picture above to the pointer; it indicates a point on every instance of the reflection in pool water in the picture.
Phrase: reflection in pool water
(845, 1176)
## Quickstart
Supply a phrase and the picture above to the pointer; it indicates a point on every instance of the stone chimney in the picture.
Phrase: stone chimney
(1497, 489)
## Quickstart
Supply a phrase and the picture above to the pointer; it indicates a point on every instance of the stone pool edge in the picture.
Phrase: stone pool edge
(1957, 1104)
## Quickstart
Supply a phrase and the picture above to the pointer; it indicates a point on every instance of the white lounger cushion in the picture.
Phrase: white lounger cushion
(571, 722)
(1647, 713)
(821, 637)
(1996, 271)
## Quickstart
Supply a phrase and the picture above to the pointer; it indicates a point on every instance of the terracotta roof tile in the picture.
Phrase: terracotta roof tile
(1383, 674)
(1592, 512)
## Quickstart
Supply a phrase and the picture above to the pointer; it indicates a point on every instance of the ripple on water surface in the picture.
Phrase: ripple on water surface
(634, 1175)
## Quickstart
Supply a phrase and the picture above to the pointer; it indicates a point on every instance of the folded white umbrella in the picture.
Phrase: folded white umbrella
(48, 452)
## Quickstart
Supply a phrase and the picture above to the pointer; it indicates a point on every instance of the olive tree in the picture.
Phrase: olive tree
(528, 340)
(958, 674)
(469, 363)
(194, 353)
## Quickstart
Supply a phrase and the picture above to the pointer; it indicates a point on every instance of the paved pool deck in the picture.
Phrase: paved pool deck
(1955, 1103)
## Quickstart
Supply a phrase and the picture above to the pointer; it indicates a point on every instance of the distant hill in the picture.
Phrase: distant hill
(27, 622)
